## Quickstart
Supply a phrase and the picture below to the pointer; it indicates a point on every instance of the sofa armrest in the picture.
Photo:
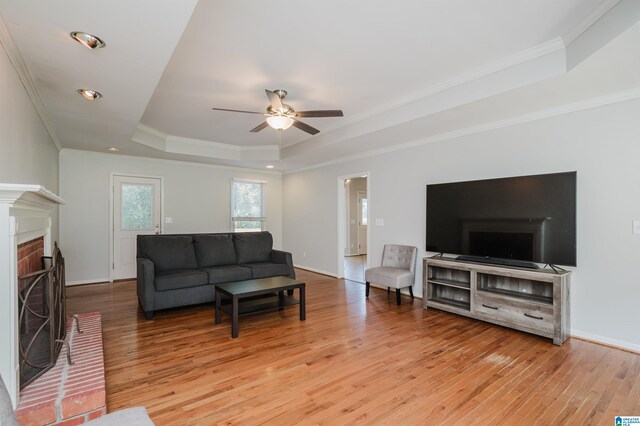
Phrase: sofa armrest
(278, 256)
(145, 278)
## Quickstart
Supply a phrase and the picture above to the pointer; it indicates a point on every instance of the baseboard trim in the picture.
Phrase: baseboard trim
(83, 282)
(403, 292)
(605, 341)
(317, 271)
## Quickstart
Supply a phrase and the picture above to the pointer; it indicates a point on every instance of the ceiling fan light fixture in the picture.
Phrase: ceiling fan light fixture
(90, 95)
(279, 122)
(87, 40)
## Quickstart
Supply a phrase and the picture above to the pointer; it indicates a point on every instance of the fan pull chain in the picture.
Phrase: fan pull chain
(279, 145)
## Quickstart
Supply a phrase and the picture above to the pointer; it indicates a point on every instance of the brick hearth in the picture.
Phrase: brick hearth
(69, 394)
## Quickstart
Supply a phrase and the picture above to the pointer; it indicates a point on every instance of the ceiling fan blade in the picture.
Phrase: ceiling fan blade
(305, 127)
(237, 110)
(274, 99)
(321, 113)
(259, 127)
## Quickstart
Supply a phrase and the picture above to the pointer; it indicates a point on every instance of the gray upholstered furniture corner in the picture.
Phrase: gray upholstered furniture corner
(182, 270)
(136, 416)
(398, 269)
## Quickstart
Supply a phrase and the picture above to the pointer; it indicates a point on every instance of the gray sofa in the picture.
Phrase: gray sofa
(180, 270)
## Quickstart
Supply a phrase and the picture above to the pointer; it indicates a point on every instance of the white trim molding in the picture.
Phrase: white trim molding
(25, 77)
(607, 341)
(586, 104)
(317, 271)
(156, 139)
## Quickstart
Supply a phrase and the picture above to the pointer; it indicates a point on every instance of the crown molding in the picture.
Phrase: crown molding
(493, 125)
(179, 162)
(591, 19)
(161, 141)
(25, 77)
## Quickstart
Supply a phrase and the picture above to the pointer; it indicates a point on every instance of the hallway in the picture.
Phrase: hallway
(354, 267)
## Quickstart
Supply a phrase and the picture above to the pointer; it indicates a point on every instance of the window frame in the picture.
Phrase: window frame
(262, 219)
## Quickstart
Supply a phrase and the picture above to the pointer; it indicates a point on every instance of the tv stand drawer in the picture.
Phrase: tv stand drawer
(507, 312)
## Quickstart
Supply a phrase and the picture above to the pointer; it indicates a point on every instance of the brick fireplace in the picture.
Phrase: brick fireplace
(29, 255)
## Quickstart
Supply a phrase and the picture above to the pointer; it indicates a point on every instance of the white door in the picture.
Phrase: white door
(136, 210)
(363, 221)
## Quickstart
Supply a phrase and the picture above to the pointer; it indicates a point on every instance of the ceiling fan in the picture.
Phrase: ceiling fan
(281, 116)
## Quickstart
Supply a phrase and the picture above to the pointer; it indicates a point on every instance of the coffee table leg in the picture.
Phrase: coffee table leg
(218, 320)
(234, 317)
(280, 300)
(303, 308)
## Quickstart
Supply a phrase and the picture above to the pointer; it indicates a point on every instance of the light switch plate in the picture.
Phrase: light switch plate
(636, 226)
(379, 221)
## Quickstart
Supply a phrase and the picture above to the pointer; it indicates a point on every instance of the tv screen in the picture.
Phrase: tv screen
(525, 218)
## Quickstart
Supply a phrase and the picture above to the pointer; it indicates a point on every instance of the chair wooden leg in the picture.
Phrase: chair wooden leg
(366, 289)
(388, 290)
(398, 296)
(411, 291)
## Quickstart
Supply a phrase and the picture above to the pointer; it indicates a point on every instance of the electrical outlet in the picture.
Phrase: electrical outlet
(636, 226)
(304, 254)
(168, 220)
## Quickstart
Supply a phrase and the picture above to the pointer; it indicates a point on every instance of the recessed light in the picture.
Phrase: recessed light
(363, 176)
(90, 95)
(347, 181)
(112, 149)
(270, 166)
(87, 40)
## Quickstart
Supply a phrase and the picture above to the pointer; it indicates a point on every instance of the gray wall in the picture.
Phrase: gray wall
(196, 196)
(602, 144)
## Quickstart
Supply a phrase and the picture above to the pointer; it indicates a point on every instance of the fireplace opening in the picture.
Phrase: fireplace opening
(41, 312)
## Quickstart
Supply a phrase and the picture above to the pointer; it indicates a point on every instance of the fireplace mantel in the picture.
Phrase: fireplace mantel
(25, 213)
(36, 195)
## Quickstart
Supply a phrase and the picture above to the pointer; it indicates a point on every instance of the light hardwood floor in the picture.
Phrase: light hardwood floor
(354, 267)
(352, 360)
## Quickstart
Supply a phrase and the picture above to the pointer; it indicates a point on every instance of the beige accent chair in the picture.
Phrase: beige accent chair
(398, 269)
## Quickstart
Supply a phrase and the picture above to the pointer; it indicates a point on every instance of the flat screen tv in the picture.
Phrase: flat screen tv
(517, 221)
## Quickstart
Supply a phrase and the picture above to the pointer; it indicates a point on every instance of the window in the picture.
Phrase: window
(137, 207)
(247, 206)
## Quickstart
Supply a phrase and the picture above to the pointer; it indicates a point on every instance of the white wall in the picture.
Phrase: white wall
(602, 144)
(196, 196)
(27, 153)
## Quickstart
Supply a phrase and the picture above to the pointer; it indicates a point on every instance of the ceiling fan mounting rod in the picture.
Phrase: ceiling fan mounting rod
(281, 93)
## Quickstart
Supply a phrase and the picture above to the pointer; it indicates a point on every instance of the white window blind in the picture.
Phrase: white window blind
(247, 206)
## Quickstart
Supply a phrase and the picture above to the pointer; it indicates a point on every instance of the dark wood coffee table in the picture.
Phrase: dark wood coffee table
(251, 288)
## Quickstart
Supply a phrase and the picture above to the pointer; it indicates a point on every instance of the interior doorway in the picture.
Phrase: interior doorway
(135, 209)
(353, 226)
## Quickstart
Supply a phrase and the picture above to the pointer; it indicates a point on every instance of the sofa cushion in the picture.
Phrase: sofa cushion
(214, 250)
(170, 253)
(267, 269)
(225, 274)
(173, 280)
(253, 247)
